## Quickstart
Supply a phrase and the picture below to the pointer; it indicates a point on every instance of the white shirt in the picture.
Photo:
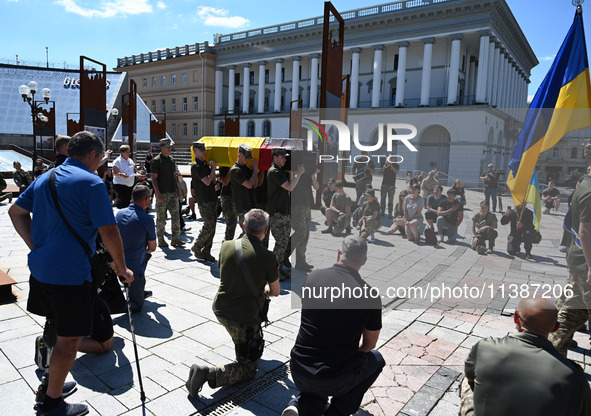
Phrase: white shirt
(127, 167)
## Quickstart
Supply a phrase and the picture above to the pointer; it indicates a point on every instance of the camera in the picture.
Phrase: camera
(499, 172)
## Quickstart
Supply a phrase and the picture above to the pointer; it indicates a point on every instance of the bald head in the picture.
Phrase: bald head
(536, 316)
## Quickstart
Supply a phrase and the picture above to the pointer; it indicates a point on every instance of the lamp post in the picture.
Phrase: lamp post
(28, 93)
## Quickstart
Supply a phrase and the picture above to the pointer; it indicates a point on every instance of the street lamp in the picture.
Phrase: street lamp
(28, 93)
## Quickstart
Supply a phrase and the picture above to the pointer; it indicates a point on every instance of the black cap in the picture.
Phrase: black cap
(279, 151)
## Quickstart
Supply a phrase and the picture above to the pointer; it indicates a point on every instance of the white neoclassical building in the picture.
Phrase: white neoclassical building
(457, 70)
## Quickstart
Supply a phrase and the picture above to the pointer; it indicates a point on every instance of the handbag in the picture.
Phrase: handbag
(262, 301)
(103, 277)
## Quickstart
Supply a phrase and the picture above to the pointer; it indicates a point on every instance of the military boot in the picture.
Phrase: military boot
(177, 242)
(162, 242)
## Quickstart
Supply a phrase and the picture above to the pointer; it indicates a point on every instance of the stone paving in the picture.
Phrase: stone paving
(424, 343)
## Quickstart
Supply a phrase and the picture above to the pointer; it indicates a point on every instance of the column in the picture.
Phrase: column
(426, 78)
(231, 87)
(277, 97)
(377, 76)
(472, 86)
(401, 74)
(482, 67)
(454, 69)
(496, 71)
(261, 92)
(503, 79)
(246, 88)
(314, 81)
(354, 77)
(491, 69)
(219, 89)
(295, 80)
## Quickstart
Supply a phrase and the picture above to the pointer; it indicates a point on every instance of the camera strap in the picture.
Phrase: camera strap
(246, 273)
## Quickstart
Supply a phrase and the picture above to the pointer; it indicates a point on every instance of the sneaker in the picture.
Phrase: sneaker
(198, 375)
(372, 239)
(528, 256)
(177, 242)
(162, 242)
(481, 249)
(65, 409)
(489, 251)
(70, 387)
(290, 411)
(198, 253)
(185, 229)
(327, 231)
(41, 353)
(147, 294)
(562, 249)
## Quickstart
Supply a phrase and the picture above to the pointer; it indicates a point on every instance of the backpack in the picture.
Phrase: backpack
(430, 236)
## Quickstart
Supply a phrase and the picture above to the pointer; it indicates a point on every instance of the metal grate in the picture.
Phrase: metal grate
(257, 387)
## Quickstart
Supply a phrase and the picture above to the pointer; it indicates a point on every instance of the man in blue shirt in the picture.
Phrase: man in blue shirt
(138, 233)
(60, 282)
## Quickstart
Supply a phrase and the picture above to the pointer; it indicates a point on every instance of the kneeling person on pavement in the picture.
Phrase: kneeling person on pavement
(235, 304)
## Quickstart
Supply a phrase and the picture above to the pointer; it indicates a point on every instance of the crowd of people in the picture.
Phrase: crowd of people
(249, 272)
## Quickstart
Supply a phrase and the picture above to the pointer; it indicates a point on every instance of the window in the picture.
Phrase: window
(174, 130)
(185, 129)
(237, 78)
(574, 152)
(184, 78)
(173, 101)
(145, 82)
(282, 102)
(195, 103)
(251, 104)
(251, 77)
(153, 81)
(396, 62)
(266, 128)
(185, 104)
(266, 75)
(153, 106)
(163, 79)
(266, 103)
(173, 79)
(221, 129)
(282, 74)
(393, 97)
(250, 129)
(163, 106)
(195, 129)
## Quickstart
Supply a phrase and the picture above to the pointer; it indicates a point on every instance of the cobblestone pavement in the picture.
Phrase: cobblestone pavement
(424, 343)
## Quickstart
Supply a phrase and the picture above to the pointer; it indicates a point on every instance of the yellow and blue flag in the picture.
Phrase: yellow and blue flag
(561, 104)
(533, 196)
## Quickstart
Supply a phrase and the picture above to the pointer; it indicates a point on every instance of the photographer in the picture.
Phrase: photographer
(491, 185)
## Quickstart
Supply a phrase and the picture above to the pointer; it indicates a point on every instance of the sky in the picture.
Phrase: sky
(105, 30)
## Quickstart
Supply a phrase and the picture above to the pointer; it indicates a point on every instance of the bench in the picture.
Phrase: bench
(11, 191)
(6, 283)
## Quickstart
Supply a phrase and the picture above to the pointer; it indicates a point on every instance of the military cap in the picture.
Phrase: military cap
(199, 146)
(165, 142)
(246, 150)
(279, 151)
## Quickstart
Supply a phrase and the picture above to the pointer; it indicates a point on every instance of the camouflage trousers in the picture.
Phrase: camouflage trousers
(466, 394)
(301, 218)
(573, 311)
(171, 203)
(244, 368)
(360, 188)
(280, 225)
(229, 212)
(371, 225)
(209, 213)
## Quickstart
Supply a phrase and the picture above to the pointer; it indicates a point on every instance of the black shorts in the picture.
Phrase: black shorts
(102, 324)
(70, 306)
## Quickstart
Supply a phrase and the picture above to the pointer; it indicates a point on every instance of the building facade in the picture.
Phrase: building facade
(457, 70)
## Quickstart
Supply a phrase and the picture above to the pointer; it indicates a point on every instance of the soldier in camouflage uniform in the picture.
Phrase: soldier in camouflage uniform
(575, 310)
(203, 181)
(279, 185)
(168, 194)
(301, 217)
(228, 208)
(339, 212)
(370, 220)
(236, 307)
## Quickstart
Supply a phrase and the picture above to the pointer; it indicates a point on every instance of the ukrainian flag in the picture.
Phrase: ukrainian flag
(533, 196)
(561, 104)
